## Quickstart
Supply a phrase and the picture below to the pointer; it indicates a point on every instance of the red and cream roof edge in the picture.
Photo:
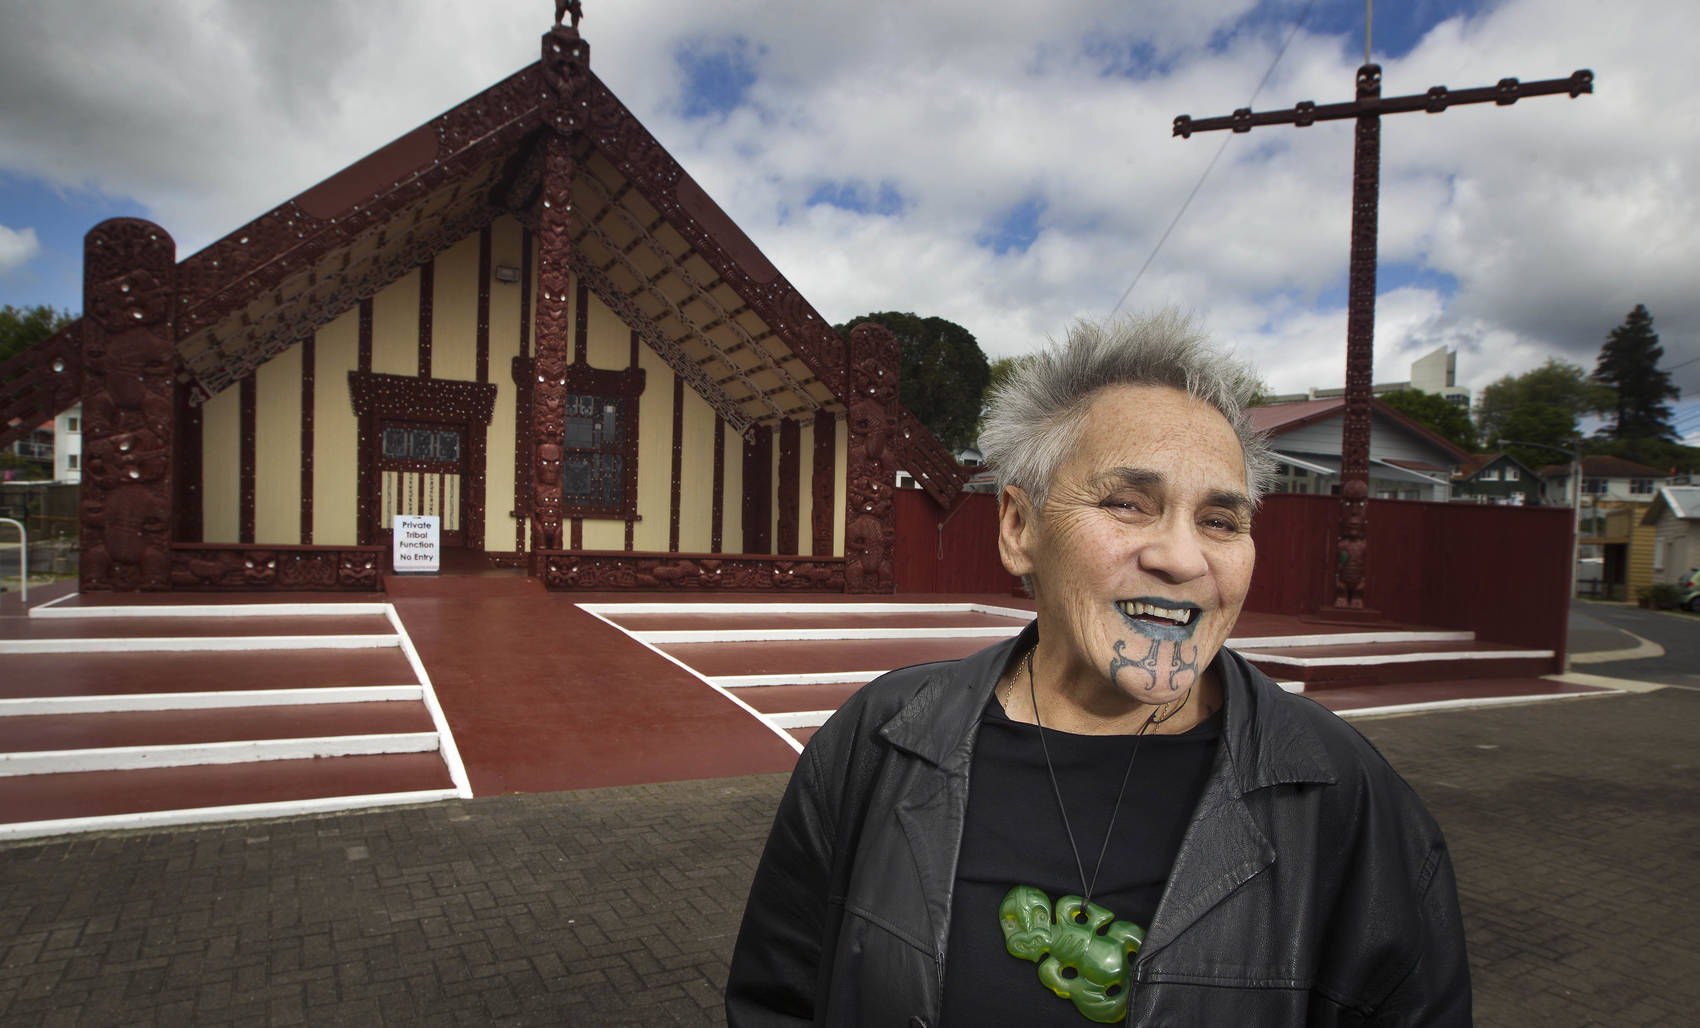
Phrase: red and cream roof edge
(647, 240)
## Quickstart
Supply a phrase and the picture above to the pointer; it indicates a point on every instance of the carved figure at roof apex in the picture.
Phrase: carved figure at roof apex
(572, 7)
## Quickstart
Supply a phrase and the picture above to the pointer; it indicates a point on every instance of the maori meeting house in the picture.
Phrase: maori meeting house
(523, 317)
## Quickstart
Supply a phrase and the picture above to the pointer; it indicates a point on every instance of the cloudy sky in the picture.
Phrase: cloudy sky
(1008, 166)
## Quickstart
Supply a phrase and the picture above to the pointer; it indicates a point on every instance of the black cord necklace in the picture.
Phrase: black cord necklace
(1085, 954)
(1090, 887)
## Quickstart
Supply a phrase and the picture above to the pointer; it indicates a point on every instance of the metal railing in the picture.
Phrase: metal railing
(23, 560)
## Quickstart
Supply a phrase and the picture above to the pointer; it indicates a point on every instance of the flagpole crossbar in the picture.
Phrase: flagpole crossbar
(1505, 92)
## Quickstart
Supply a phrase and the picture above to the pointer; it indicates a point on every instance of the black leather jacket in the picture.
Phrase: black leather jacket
(1312, 886)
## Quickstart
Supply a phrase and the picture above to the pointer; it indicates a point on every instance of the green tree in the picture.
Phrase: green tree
(1539, 406)
(1629, 366)
(942, 375)
(1436, 412)
(22, 328)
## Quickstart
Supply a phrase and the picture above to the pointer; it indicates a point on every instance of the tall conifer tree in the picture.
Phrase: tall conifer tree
(1629, 364)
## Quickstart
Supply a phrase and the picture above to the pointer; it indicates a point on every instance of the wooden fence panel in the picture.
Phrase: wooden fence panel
(953, 551)
(1294, 534)
(1502, 572)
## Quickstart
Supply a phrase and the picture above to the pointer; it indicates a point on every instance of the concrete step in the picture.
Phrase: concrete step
(49, 804)
(197, 712)
(131, 729)
(1388, 663)
(140, 626)
(98, 674)
(807, 658)
(787, 699)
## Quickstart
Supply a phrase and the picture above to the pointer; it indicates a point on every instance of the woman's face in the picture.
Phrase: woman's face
(1143, 553)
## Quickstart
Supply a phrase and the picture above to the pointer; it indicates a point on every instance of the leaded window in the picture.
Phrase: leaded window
(422, 446)
(593, 463)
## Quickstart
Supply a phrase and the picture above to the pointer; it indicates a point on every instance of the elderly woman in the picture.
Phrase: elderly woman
(1110, 818)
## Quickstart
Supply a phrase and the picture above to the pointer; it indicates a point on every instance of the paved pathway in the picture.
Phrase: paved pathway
(1573, 825)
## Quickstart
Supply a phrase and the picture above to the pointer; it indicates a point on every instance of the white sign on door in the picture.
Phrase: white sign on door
(416, 545)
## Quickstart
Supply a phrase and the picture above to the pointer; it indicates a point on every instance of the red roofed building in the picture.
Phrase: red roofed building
(1408, 460)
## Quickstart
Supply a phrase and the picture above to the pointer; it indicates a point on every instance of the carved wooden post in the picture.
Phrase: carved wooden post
(870, 530)
(566, 63)
(129, 363)
(1352, 542)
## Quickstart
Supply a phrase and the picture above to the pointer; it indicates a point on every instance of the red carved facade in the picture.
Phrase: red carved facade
(129, 368)
(871, 524)
(602, 570)
(218, 567)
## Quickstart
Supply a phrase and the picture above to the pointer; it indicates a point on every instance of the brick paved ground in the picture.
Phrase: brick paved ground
(1573, 826)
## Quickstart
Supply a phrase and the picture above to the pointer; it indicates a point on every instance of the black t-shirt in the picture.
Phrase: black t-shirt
(1014, 835)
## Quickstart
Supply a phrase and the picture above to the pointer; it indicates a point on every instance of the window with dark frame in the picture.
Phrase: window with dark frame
(423, 448)
(594, 451)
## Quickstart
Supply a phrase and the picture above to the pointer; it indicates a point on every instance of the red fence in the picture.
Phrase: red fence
(1502, 572)
(954, 551)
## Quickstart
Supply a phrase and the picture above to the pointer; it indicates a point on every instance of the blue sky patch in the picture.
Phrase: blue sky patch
(1391, 275)
(1396, 29)
(855, 195)
(60, 218)
(1130, 57)
(718, 75)
(1016, 229)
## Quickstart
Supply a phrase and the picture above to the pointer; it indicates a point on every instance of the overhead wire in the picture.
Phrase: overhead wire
(1303, 15)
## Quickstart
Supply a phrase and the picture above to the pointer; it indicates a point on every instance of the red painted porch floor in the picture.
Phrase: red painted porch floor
(543, 695)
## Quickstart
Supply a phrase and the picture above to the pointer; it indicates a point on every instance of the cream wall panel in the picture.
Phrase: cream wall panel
(805, 494)
(655, 453)
(221, 466)
(277, 449)
(696, 478)
(732, 495)
(454, 312)
(610, 342)
(395, 327)
(336, 469)
(505, 239)
(841, 459)
(599, 534)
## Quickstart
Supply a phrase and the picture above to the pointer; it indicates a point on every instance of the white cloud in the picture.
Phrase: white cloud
(17, 246)
(1552, 217)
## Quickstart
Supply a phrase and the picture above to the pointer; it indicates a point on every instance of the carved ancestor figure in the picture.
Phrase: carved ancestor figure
(1354, 533)
(867, 556)
(572, 7)
(546, 496)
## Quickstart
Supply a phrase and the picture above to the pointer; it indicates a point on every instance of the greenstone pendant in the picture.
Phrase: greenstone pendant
(1084, 954)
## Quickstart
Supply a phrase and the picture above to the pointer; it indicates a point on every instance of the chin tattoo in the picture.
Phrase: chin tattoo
(1187, 667)
(1147, 664)
(1183, 669)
